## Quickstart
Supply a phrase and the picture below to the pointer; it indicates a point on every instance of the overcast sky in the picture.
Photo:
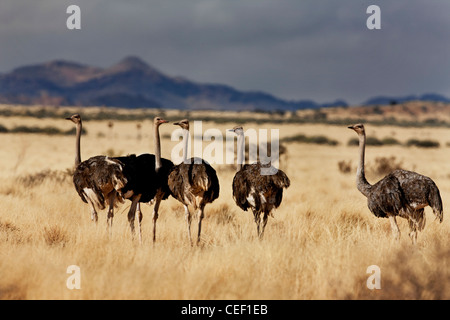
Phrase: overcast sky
(293, 49)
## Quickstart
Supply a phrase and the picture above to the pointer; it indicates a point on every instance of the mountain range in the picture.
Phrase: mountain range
(383, 100)
(132, 83)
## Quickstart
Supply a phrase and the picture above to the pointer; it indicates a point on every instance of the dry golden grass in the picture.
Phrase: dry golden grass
(318, 246)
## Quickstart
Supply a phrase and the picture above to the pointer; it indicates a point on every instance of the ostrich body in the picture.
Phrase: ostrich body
(97, 179)
(255, 191)
(147, 181)
(400, 193)
(193, 182)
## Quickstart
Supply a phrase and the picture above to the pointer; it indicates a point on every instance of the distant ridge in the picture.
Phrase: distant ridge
(384, 100)
(133, 83)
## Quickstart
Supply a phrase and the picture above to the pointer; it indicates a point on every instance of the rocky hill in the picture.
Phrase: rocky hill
(131, 83)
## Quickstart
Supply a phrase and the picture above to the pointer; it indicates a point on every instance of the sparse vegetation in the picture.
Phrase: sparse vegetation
(381, 166)
(370, 141)
(55, 236)
(318, 245)
(426, 143)
(318, 139)
(222, 214)
(111, 152)
(401, 115)
(385, 165)
(36, 179)
(49, 130)
(345, 166)
(389, 141)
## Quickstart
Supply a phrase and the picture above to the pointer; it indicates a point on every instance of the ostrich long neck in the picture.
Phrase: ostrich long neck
(240, 151)
(361, 182)
(185, 144)
(157, 149)
(77, 145)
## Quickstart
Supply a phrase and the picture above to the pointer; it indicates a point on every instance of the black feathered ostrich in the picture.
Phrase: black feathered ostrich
(97, 179)
(193, 182)
(401, 193)
(147, 176)
(256, 191)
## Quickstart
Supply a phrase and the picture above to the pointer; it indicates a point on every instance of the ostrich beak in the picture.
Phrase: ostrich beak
(176, 123)
(351, 127)
(164, 121)
(68, 118)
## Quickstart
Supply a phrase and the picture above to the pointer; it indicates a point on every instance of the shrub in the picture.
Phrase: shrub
(35, 179)
(372, 141)
(345, 167)
(55, 236)
(222, 214)
(353, 142)
(301, 138)
(41, 130)
(422, 143)
(385, 165)
(389, 141)
(113, 153)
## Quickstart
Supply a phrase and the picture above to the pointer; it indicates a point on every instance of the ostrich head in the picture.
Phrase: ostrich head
(184, 124)
(75, 118)
(157, 121)
(238, 130)
(358, 128)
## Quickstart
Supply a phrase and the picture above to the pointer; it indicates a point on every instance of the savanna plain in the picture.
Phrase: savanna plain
(318, 245)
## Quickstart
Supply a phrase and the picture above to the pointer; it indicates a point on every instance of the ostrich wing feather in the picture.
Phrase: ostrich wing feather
(386, 197)
(420, 191)
(100, 175)
(249, 183)
(192, 179)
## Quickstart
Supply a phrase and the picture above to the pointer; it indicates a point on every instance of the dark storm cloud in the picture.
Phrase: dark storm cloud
(294, 49)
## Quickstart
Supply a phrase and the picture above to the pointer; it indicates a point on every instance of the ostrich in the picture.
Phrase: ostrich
(147, 181)
(193, 182)
(97, 179)
(251, 189)
(401, 193)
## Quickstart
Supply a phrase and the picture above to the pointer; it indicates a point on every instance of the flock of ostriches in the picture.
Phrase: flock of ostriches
(101, 181)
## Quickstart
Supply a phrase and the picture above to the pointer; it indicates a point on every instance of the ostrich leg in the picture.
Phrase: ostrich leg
(257, 215)
(111, 200)
(158, 199)
(132, 212)
(413, 232)
(187, 215)
(138, 215)
(94, 216)
(394, 227)
(200, 214)
(264, 218)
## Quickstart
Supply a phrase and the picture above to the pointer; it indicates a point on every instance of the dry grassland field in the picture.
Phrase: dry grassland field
(318, 245)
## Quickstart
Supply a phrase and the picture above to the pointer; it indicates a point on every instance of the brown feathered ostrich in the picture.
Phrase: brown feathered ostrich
(401, 193)
(251, 189)
(97, 179)
(193, 182)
